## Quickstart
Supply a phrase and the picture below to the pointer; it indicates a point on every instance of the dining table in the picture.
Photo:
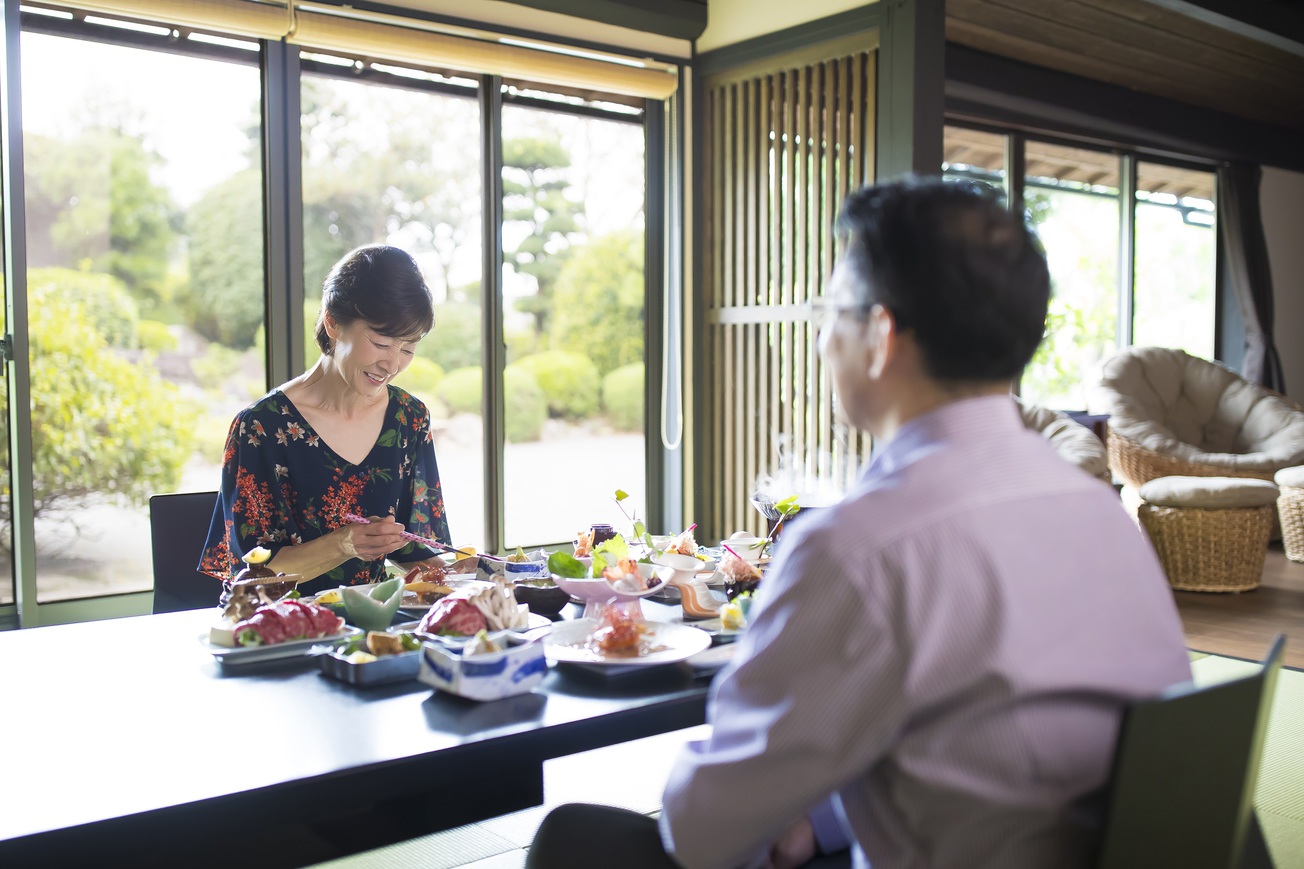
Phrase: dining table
(128, 743)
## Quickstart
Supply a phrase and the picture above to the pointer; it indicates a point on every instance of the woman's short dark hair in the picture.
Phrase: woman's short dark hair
(380, 285)
(955, 267)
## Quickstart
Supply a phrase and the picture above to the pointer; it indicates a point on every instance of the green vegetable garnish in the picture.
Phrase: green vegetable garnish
(787, 506)
(567, 565)
(607, 552)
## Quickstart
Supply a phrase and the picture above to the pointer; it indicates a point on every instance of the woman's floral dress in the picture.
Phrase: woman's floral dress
(282, 485)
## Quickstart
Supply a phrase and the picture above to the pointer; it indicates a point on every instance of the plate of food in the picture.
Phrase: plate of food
(229, 655)
(457, 617)
(282, 629)
(619, 639)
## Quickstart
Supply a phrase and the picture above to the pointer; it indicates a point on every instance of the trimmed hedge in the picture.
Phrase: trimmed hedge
(421, 378)
(460, 390)
(569, 382)
(527, 409)
(622, 396)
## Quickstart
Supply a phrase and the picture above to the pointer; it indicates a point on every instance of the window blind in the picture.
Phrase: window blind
(399, 40)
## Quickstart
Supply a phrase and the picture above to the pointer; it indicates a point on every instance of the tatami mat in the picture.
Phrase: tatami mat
(1279, 797)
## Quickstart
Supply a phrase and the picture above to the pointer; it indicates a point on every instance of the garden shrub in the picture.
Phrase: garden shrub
(460, 390)
(155, 336)
(622, 396)
(527, 409)
(421, 378)
(569, 382)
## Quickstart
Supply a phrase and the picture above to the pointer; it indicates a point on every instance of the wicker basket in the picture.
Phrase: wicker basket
(1209, 550)
(1290, 508)
(1135, 466)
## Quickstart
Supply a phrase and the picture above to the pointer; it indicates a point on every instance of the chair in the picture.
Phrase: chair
(1184, 775)
(1076, 443)
(1173, 414)
(178, 526)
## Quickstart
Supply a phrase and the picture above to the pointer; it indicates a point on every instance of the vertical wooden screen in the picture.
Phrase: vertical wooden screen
(783, 147)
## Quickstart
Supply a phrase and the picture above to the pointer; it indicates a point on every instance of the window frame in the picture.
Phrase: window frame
(281, 66)
(1014, 167)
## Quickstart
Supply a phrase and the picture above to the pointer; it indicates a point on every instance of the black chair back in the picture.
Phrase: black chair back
(178, 527)
(1184, 774)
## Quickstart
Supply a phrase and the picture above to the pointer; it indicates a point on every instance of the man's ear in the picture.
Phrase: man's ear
(881, 333)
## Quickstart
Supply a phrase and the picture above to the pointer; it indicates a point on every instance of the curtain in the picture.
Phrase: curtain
(1245, 256)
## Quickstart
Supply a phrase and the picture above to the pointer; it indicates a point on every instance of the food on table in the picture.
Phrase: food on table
(568, 566)
(732, 616)
(255, 563)
(454, 616)
(467, 612)
(542, 596)
(684, 544)
(501, 611)
(329, 597)
(518, 557)
(380, 644)
(583, 543)
(624, 576)
(284, 621)
(481, 644)
(464, 565)
(426, 571)
(424, 584)
(424, 593)
(739, 574)
(619, 633)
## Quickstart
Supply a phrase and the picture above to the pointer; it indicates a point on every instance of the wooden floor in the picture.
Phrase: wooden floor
(1242, 625)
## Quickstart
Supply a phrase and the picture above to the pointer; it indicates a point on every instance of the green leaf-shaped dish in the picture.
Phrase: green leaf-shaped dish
(372, 608)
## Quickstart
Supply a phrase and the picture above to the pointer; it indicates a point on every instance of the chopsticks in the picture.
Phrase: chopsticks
(433, 544)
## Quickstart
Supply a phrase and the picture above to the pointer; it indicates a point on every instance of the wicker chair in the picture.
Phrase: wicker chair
(1075, 443)
(1173, 414)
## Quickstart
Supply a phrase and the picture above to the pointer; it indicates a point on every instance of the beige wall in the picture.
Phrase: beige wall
(730, 21)
(1282, 200)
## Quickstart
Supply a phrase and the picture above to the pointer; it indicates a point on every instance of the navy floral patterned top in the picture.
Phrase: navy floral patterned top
(282, 485)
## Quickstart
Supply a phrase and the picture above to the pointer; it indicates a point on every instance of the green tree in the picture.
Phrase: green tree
(381, 163)
(535, 181)
(101, 425)
(225, 301)
(600, 301)
(93, 204)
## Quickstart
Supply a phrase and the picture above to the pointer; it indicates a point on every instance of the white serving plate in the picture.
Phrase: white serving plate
(565, 644)
(229, 656)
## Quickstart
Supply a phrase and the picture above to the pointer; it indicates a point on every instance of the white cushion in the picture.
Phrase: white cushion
(1190, 408)
(1074, 442)
(1293, 477)
(1211, 493)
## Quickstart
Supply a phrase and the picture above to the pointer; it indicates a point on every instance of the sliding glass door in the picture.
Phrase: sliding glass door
(163, 167)
(144, 291)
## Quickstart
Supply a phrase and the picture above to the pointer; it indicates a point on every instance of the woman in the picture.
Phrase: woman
(338, 439)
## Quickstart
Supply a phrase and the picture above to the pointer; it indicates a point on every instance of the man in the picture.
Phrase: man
(937, 666)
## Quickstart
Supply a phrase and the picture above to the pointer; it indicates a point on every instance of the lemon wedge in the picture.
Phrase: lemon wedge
(330, 596)
(257, 555)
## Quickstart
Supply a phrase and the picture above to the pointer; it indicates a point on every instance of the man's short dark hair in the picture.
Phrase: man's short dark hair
(955, 267)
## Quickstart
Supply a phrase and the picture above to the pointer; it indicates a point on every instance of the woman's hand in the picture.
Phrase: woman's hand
(379, 538)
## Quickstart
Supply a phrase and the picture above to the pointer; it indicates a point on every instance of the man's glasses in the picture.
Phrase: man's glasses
(823, 311)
